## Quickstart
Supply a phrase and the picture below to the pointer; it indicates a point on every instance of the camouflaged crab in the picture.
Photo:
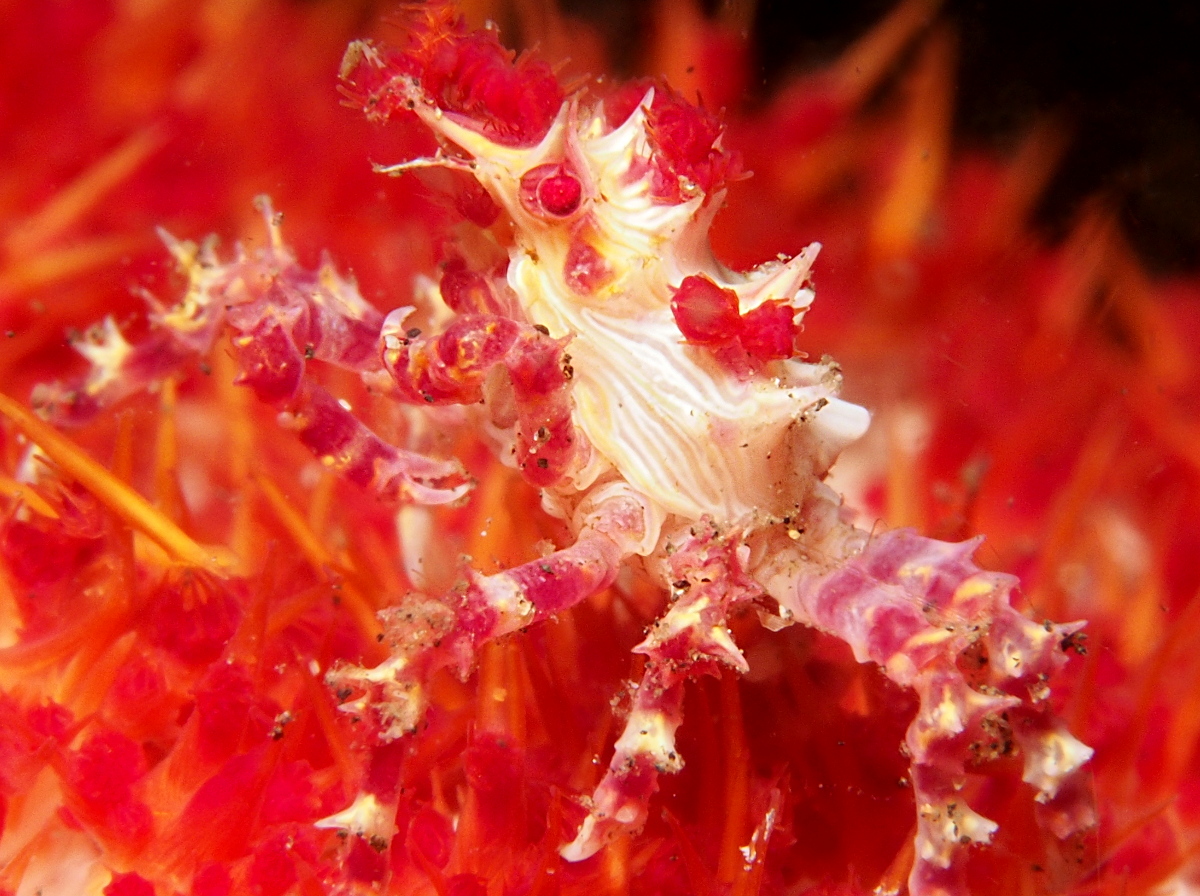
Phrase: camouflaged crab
(657, 400)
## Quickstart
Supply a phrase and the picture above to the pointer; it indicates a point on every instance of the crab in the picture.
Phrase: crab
(658, 401)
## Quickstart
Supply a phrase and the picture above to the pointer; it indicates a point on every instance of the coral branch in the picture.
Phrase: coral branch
(119, 497)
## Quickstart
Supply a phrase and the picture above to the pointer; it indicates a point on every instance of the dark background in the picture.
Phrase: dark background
(1125, 78)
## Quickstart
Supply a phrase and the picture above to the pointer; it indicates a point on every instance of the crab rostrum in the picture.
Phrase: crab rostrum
(658, 401)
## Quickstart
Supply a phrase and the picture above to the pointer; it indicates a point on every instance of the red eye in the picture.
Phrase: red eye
(551, 190)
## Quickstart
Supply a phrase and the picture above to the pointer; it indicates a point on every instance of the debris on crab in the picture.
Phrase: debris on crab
(659, 402)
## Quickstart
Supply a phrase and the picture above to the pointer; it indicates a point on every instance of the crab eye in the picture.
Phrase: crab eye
(551, 190)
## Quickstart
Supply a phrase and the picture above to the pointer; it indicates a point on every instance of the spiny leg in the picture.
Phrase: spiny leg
(924, 612)
(426, 635)
(645, 749)
(707, 582)
(279, 317)
(457, 366)
(272, 355)
(344, 444)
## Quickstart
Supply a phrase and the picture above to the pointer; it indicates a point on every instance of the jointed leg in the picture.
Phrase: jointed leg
(279, 317)
(426, 634)
(937, 623)
(707, 582)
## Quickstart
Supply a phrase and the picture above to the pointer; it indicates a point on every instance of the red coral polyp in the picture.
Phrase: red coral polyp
(104, 768)
(687, 156)
(708, 315)
(192, 616)
(769, 331)
(511, 99)
(129, 884)
(102, 775)
(705, 313)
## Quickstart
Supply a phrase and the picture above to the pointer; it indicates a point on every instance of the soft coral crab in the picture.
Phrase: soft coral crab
(656, 399)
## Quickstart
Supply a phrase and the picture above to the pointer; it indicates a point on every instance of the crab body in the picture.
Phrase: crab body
(701, 441)
(599, 264)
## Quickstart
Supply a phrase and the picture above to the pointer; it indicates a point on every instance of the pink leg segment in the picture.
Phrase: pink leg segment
(935, 622)
(454, 367)
(426, 635)
(707, 582)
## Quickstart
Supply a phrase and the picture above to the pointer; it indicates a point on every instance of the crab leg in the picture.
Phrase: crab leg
(279, 316)
(455, 367)
(645, 749)
(344, 444)
(425, 634)
(273, 364)
(937, 623)
(504, 602)
(707, 582)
